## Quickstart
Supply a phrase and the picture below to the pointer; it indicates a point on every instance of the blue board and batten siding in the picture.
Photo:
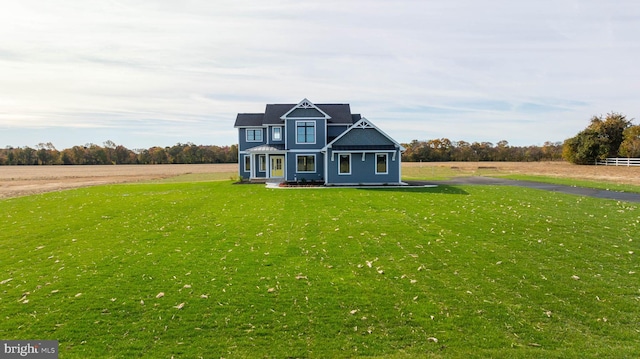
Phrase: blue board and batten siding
(312, 138)
(319, 137)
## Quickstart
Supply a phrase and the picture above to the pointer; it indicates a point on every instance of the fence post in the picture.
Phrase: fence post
(618, 161)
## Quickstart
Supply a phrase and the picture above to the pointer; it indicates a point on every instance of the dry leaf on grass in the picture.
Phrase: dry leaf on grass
(179, 306)
(160, 295)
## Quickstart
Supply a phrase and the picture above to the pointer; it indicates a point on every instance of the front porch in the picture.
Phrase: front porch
(266, 163)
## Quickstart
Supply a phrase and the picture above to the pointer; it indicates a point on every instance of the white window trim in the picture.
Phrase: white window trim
(344, 173)
(246, 134)
(247, 158)
(315, 133)
(386, 162)
(262, 163)
(315, 163)
(273, 133)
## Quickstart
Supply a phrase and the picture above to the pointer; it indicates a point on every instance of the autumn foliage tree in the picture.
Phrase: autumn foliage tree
(630, 146)
(601, 139)
(111, 154)
(440, 150)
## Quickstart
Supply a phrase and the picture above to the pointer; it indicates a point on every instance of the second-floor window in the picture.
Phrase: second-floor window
(254, 135)
(277, 133)
(305, 132)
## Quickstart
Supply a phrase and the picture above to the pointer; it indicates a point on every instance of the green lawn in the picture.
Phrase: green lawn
(608, 186)
(464, 271)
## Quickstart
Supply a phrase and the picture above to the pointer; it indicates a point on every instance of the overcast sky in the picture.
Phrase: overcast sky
(156, 73)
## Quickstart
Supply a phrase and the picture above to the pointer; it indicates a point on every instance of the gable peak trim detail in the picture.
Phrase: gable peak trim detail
(363, 124)
(305, 104)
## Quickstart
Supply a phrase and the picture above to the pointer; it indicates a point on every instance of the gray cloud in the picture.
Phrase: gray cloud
(524, 72)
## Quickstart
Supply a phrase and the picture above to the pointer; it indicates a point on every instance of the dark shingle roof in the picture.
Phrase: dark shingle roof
(339, 113)
(249, 119)
(273, 112)
(363, 137)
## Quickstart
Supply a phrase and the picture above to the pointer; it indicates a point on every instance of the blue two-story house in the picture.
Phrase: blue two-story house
(316, 142)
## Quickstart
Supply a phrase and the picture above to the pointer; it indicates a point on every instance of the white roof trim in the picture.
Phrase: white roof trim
(305, 104)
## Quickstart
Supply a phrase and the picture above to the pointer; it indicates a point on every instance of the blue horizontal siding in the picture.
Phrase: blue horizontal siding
(243, 145)
(292, 166)
(363, 172)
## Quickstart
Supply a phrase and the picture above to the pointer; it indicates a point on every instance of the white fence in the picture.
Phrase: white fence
(629, 162)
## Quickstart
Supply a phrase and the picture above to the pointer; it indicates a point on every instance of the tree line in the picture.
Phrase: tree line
(443, 149)
(609, 136)
(110, 153)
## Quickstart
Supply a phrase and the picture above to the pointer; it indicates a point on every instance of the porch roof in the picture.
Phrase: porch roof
(267, 148)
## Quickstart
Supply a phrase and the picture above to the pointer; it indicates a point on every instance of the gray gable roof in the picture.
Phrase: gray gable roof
(363, 135)
(249, 119)
(362, 139)
(273, 112)
(339, 113)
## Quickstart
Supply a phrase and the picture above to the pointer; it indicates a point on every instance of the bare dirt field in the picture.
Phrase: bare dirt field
(25, 180)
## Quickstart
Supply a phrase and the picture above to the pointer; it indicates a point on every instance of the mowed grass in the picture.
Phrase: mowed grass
(608, 186)
(212, 269)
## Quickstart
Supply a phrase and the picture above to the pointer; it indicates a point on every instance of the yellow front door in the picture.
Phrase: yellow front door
(277, 166)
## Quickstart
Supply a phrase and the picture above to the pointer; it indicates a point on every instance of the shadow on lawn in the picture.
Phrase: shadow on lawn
(442, 189)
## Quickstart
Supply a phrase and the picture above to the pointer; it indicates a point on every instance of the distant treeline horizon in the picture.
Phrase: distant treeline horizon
(436, 150)
(111, 154)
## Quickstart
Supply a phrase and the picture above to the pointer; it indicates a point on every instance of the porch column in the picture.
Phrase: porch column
(252, 166)
(268, 159)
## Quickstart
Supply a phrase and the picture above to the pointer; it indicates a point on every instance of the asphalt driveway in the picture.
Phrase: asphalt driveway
(578, 191)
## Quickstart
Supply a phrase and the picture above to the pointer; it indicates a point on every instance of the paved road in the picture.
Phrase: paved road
(579, 191)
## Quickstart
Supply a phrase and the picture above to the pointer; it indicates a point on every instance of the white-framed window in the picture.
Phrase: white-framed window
(247, 163)
(306, 163)
(262, 163)
(276, 134)
(344, 164)
(254, 135)
(382, 166)
(306, 132)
